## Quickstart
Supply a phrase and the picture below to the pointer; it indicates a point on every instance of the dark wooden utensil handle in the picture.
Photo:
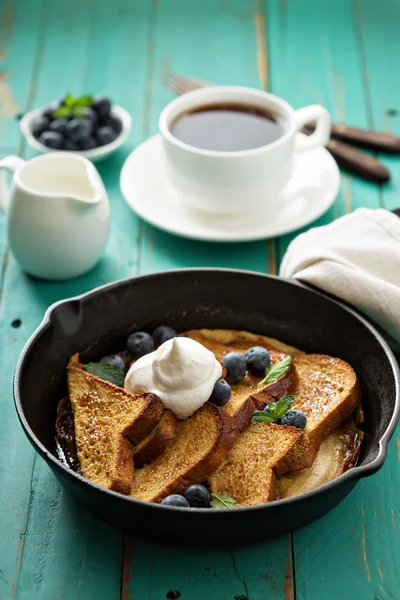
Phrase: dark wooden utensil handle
(380, 141)
(396, 211)
(355, 161)
(374, 140)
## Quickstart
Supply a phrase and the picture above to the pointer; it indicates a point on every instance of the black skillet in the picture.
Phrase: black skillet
(98, 323)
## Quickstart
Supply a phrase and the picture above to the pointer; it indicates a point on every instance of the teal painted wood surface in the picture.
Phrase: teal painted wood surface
(343, 54)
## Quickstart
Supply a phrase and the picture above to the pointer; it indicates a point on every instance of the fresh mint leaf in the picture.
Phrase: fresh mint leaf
(277, 410)
(106, 372)
(275, 371)
(83, 101)
(62, 111)
(260, 416)
(78, 111)
(69, 100)
(283, 406)
(222, 501)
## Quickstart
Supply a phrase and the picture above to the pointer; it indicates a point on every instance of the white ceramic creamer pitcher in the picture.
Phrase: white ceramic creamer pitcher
(57, 214)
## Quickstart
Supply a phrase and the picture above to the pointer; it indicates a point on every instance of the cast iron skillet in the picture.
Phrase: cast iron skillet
(98, 323)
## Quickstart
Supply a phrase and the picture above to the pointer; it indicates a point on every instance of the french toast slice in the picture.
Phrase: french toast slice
(327, 391)
(246, 395)
(108, 421)
(262, 451)
(337, 454)
(157, 441)
(199, 446)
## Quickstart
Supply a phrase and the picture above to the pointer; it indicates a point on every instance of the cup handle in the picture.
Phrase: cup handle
(320, 137)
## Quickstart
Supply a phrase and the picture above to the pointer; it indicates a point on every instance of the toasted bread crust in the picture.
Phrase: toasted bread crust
(275, 390)
(148, 418)
(327, 381)
(105, 455)
(146, 421)
(246, 397)
(297, 456)
(222, 444)
(157, 441)
(248, 472)
(176, 469)
(121, 476)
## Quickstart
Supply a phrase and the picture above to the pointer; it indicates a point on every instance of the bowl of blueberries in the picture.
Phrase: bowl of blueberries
(90, 126)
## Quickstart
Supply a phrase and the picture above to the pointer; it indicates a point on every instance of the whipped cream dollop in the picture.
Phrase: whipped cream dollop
(181, 372)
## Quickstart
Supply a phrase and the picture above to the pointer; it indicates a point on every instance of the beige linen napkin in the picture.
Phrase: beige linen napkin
(357, 259)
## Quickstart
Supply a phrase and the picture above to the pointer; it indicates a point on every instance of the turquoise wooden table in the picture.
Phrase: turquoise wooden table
(343, 54)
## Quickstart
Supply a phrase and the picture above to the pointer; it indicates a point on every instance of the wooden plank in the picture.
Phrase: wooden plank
(380, 57)
(67, 553)
(214, 41)
(315, 59)
(53, 548)
(16, 69)
(377, 524)
(349, 545)
(21, 29)
(253, 572)
(352, 551)
(217, 42)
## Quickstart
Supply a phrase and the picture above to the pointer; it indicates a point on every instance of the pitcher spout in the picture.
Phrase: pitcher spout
(84, 200)
(93, 189)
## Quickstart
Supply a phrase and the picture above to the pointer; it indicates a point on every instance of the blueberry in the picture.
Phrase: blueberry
(113, 122)
(105, 135)
(79, 129)
(40, 125)
(89, 113)
(175, 500)
(48, 110)
(114, 360)
(139, 344)
(102, 105)
(257, 359)
(87, 143)
(162, 334)
(52, 139)
(59, 125)
(235, 366)
(198, 496)
(221, 393)
(295, 418)
(70, 145)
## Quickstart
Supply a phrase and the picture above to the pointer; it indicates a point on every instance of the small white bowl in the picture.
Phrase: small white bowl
(94, 155)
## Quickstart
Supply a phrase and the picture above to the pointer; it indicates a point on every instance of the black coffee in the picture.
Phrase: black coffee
(228, 127)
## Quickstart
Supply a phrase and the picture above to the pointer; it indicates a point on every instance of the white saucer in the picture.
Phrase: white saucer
(146, 188)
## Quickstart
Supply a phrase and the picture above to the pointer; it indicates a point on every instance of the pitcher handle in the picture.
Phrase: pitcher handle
(10, 164)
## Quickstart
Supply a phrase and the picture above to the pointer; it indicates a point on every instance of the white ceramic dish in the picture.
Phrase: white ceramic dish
(94, 155)
(147, 189)
(58, 214)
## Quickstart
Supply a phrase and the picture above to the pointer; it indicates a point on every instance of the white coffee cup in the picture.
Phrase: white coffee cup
(234, 182)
